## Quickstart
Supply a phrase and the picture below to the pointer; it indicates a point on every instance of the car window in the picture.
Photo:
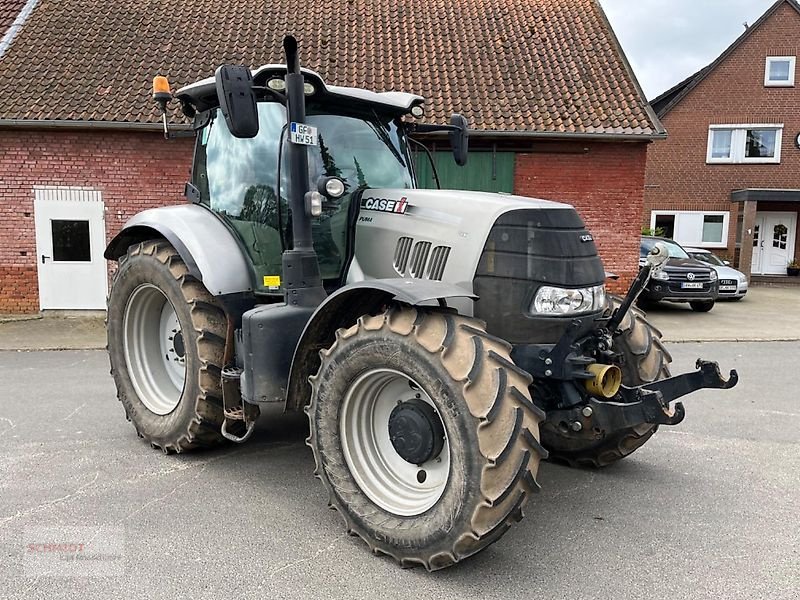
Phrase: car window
(674, 250)
(707, 258)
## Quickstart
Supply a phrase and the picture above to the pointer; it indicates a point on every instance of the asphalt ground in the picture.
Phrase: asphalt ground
(707, 509)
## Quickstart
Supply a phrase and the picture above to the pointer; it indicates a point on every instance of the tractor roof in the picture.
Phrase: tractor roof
(203, 94)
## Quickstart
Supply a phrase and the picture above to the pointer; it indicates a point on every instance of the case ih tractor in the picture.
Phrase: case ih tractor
(441, 342)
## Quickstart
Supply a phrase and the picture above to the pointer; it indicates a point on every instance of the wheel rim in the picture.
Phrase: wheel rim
(154, 349)
(381, 473)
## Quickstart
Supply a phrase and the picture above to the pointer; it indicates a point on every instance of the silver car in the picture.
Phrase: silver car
(732, 283)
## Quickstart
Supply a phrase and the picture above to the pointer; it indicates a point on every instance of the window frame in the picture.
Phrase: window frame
(739, 144)
(726, 217)
(776, 83)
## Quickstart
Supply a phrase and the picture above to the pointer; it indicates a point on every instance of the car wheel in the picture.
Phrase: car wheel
(702, 306)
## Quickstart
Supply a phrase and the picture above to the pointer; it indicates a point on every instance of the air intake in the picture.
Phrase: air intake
(419, 257)
(401, 254)
(438, 262)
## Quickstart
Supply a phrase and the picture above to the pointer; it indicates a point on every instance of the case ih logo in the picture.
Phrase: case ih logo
(386, 205)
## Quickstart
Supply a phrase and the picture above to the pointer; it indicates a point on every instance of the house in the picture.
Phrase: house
(556, 111)
(728, 176)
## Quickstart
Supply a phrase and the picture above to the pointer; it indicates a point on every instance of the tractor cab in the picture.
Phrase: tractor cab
(356, 136)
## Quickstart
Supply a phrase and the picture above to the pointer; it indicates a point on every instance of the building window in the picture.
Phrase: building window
(744, 143)
(779, 71)
(704, 229)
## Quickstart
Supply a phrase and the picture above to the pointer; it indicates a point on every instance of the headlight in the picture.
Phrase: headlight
(561, 301)
(661, 276)
(713, 275)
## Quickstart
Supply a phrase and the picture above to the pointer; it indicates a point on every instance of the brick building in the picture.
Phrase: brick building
(728, 176)
(556, 111)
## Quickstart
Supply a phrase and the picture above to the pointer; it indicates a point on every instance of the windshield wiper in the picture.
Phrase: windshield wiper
(384, 137)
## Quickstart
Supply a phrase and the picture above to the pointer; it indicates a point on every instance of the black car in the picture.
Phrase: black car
(681, 279)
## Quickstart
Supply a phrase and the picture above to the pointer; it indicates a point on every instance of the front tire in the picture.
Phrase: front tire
(466, 493)
(702, 306)
(166, 340)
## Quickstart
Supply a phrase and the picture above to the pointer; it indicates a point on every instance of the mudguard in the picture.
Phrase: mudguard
(208, 248)
(342, 308)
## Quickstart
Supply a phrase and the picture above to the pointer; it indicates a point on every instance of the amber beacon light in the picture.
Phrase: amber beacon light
(162, 96)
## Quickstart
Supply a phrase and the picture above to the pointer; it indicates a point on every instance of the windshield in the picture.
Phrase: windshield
(365, 151)
(674, 250)
(239, 179)
(707, 257)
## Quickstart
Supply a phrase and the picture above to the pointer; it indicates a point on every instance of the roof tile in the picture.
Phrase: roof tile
(508, 65)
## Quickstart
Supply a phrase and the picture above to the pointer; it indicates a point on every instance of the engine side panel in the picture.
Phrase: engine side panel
(429, 234)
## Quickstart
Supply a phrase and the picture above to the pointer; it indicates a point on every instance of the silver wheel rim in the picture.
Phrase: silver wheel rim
(381, 473)
(154, 349)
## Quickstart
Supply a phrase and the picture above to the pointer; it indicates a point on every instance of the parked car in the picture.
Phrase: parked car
(681, 279)
(732, 283)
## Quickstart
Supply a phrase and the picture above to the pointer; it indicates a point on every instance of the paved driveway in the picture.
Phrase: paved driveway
(708, 509)
(766, 313)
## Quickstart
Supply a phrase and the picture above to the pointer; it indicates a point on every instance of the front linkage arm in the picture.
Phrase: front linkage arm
(648, 404)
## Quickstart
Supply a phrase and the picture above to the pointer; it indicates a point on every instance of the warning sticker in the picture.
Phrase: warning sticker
(272, 281)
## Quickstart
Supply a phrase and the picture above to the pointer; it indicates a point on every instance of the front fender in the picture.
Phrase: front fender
(342, 309)
(208, 248)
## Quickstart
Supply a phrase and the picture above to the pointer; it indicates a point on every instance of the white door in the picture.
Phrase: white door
(70, 240)
(773, 242)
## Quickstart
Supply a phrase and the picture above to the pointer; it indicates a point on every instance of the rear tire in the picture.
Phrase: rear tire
(490, 435)
(643, 360)
(698, 306)
(160, 318)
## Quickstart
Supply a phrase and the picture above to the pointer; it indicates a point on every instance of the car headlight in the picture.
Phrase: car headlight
(551, 300)
(713, 275)
(661, 276)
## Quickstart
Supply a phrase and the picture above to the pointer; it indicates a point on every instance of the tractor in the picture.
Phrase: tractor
(442, 343)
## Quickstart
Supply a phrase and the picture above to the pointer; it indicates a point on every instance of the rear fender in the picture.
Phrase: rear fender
(342, 309)
(205, 244)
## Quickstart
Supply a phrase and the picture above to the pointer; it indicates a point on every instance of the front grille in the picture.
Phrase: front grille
(684, 276)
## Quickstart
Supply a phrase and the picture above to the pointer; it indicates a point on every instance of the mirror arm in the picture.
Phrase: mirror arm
(281, 98)
(429, 127)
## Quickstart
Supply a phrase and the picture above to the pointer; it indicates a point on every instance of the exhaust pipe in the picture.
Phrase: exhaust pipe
(606, 380)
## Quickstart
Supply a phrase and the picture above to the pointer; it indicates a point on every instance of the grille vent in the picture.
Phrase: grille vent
(438, 262)
(419, 257)
(417, 260)
(401, 254)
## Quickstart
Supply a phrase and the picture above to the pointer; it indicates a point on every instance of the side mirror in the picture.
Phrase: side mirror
(727, 263)
(237, 100)
(459, 138)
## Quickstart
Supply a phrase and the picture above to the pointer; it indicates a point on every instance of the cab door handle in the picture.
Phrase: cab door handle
(44, 257)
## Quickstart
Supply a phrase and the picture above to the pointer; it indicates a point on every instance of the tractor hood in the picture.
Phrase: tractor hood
(430, 234)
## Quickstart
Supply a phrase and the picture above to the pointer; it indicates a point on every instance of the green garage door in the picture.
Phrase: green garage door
(484, 172)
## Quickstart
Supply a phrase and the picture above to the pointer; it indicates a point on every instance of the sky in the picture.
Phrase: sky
(668, 40)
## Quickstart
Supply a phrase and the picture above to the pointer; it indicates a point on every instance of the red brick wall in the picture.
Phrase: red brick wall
(604, 181)
(678, 177)
(134, 171)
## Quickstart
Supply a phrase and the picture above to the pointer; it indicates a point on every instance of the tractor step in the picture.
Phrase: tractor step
(239, 416)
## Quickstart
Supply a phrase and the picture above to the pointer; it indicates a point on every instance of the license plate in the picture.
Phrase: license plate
(300, 133)
(692, 285)
(727, 288)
